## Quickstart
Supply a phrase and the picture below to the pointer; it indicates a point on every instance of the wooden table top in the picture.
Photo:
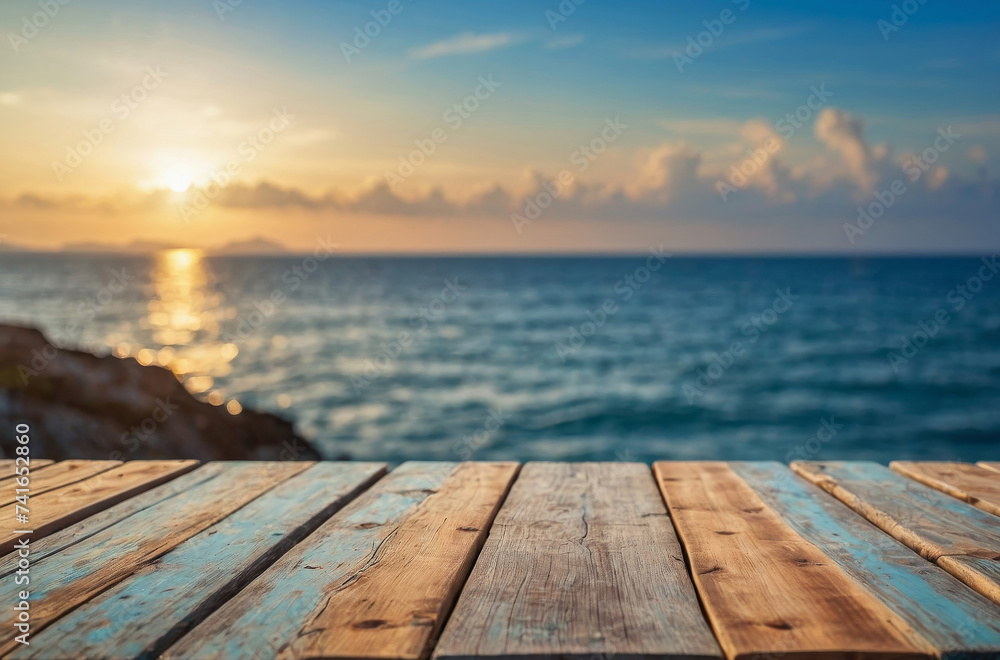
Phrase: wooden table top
(500, 560)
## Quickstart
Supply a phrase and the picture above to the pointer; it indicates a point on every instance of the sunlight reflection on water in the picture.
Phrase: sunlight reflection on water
(185, 318)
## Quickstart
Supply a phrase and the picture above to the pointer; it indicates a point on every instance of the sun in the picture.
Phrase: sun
(177, 179)
(177, 170)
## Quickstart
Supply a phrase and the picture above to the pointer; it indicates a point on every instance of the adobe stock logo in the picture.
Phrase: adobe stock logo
(454, 117)
(372, 29)
(741, 173)
(535, 205)
(565, 9)
(714, 28)
(899, 17)
(122, 108)
(38, 20)
(927, 329)
(914, 167)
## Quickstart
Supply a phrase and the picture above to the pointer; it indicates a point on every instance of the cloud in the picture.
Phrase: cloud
(463, 44)
(569, 41)
(671, 183)
(669, 171)
(266, 195)
(844, 134)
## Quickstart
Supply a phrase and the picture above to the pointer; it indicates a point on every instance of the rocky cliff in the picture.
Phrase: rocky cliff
(83, 406)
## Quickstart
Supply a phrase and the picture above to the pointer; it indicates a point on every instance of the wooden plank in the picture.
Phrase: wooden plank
(143, 615)
(7, 466)
(989, 465)
(51, 511)
(49, 545)
(64, 581)
(765, 589)
(581, 560)
(375, 581)
(925, 520)
(55, 476)
(970, 569)
(959, 622)
(976, 485)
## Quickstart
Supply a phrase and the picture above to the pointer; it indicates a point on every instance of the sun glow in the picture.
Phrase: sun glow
(176, 169)
(178, 180)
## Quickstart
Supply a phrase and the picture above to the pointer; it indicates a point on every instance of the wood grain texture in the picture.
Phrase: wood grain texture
(375, 581)
(581, 560)
(973, 570)
(959, 622)
(976, 485)
(7, 466)
(929, 522)
(989, 465)
(57, 475)
(53, 543)
(766, 589)
(58, 508)
(142, 615)
(62, 582)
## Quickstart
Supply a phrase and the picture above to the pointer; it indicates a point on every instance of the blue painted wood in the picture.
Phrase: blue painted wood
(61, 582)
(269, 613)
(947, 523)
(42, 548)
(958, 621)
(143, 615)
(928, 521)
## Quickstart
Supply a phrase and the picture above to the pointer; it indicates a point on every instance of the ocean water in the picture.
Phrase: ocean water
(624, 358)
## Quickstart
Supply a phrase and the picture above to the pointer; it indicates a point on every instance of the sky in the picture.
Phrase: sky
(398, 126)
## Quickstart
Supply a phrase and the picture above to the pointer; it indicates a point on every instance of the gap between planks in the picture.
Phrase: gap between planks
(979, 486)
(374, 581)
(61, 507)
(961, 623)
(65, 580)
(765, 589)
(148, 611)
(46, 478)
(581, 562)
(958, 537)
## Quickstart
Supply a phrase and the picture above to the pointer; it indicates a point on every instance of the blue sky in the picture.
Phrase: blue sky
(229, 70)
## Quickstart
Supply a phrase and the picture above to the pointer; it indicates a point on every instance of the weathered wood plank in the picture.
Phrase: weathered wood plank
(976, 485)
(144, 614)
(581, 560)
(971, 569)
(926, 520)
(375, 581)
(766, 589)
(989, 465)
(959, 622)
(62, 582)
(53, 543)
(55, 476)
(64, 506)
(7, 466)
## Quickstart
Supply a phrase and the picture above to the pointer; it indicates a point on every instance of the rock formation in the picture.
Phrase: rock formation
(79, 405)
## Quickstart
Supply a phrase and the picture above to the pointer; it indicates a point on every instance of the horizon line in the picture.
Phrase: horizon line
(777, 254)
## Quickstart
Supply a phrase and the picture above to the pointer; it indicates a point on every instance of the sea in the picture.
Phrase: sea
(627, 358)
